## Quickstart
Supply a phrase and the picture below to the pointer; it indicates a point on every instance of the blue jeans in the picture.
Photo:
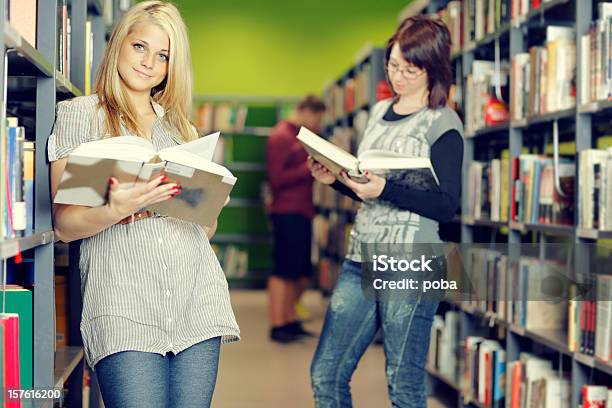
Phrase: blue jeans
(138, 379)
(350, 326)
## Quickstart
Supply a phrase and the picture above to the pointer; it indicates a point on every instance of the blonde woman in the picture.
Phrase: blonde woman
(155, 301)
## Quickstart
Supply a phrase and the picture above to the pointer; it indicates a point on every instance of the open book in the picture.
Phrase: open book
(417, 172)
(131, 159)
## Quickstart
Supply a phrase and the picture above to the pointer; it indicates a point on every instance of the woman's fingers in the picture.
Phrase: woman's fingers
(160, 193)
(113, 183)
(356, 187)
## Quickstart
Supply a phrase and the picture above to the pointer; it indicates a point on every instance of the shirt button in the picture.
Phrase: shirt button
(171, 345)
(160, 240)
(169, 320)
(164, 267)
(168, 293)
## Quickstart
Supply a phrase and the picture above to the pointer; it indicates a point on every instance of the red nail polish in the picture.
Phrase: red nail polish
(164, 178)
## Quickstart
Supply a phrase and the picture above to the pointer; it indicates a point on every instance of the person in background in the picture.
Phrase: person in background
(415, 122)
(156, 304)
(291, 212)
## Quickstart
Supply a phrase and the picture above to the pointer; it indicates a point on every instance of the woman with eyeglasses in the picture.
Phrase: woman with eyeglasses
(415, 122)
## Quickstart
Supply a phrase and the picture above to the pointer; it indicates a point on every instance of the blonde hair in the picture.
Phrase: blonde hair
(173, 93)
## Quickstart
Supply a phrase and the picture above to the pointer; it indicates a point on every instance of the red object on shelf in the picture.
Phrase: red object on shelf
(496, 112)
(349, 95)
(10, 326)
(383, 90)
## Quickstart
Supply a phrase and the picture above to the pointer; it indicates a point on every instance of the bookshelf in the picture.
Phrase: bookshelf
(34, 84)
(577, 125)
(243, 241)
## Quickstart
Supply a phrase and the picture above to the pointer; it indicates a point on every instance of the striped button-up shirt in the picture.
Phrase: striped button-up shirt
(154, 285)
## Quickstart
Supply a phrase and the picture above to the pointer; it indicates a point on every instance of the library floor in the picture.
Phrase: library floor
(257, 373)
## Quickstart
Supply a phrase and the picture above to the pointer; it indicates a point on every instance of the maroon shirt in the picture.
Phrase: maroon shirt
(290, 179)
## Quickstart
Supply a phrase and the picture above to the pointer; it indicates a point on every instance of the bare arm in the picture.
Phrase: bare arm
(210, 231)
(72, 222)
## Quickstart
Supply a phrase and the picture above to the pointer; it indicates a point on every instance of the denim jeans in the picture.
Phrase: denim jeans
(138, 379)
(350, 325)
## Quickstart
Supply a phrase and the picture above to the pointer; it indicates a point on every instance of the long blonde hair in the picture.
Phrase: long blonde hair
(173, 93)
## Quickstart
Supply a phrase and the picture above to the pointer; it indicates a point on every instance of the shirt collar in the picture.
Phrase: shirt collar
(159, 110)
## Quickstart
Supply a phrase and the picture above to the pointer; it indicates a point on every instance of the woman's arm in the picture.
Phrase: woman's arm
(446, 158)
(72, 222)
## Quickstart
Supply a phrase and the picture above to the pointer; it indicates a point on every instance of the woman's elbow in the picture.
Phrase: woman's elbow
(449, 211)
(61, 235)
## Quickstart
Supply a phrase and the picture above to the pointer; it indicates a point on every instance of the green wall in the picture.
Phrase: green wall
(279, 47)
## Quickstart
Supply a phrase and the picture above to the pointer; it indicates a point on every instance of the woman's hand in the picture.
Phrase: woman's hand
(125, 202)
(320, 172)
(372, 189)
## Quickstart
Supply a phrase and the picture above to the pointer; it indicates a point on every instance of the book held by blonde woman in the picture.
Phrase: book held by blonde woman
(131, 160)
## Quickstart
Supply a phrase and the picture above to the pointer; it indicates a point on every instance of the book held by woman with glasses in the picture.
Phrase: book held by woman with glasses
(416, 172)
(205, 185)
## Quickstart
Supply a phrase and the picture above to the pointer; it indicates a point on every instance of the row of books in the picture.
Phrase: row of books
(596, 396)
(486, 88)
(590, 320)
(535, 197)
(17, 186)
(16, 339)
(346, 139)
(444, 345)
(483, 17)
(484, 362)
(532, 381)
(63, 44)
(595, 189)
(356, 89)
(223, 117)
(520, 8)
(509, 294)
(233, 260)
(22, 16)
(61, 311)
(480, 368)
(514, 293)
(545, 77)
(332, 233)
(532, 197)
(596, 58)
(487, 190)
(354, 93)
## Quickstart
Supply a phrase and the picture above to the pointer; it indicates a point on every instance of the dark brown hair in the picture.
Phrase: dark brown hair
(312, 103)
(425, 42)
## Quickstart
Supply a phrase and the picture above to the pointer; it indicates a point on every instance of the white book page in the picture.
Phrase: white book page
(384, 159)
(203, 147)
(132, 148)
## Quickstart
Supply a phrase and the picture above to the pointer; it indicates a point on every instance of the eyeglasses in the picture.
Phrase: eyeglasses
(407, 73)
